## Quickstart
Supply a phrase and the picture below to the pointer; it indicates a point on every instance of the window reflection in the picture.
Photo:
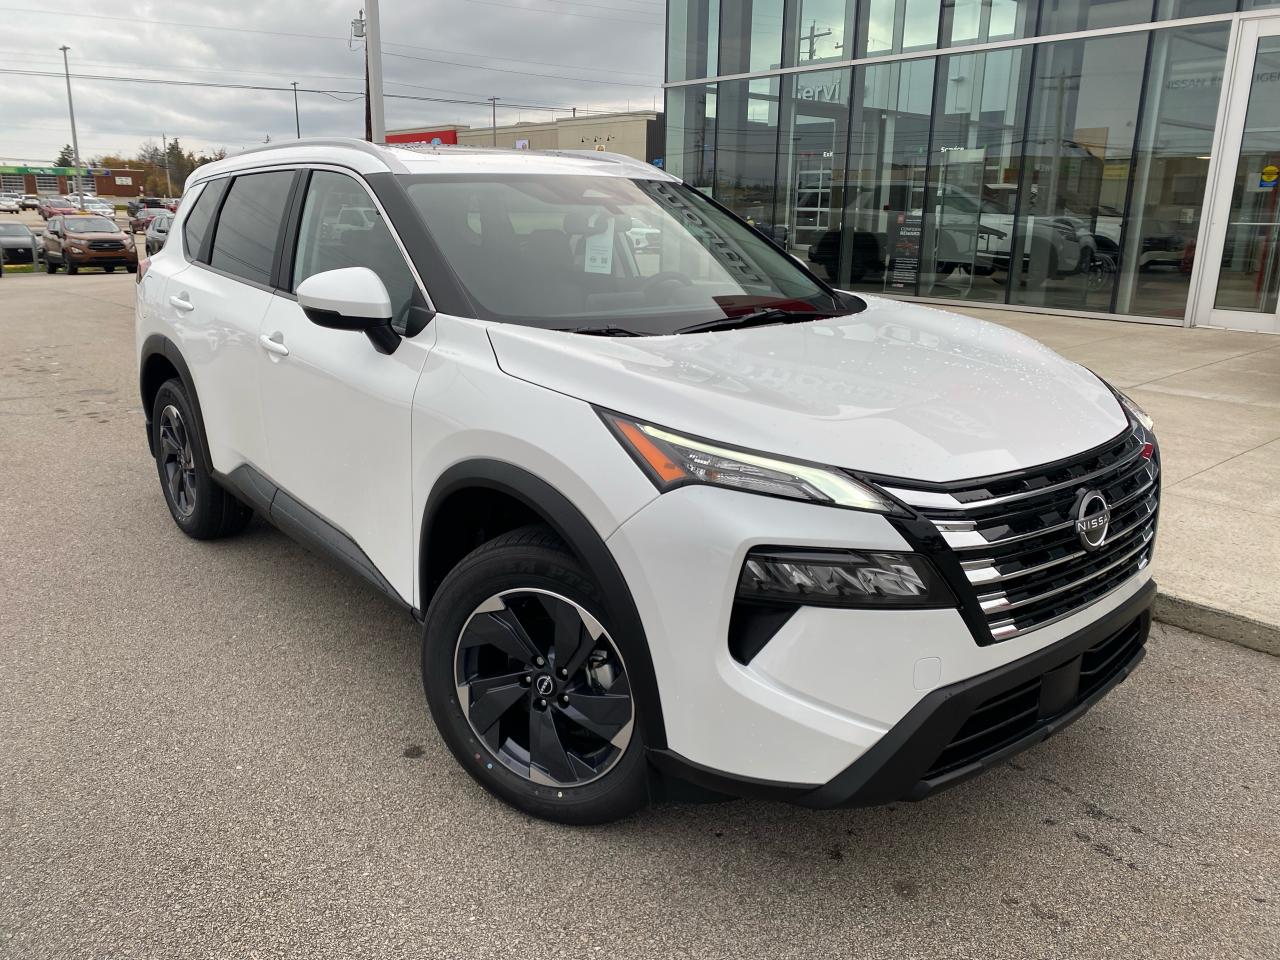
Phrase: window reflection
(819, 30)
(983, 21)
(1079, 146)
(1171, 168)
(750, 35)
(815, 131)
(693, 38)
(691, 134)
(747, 151)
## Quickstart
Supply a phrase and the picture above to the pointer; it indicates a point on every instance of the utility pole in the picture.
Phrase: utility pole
(297, 121)
(373, 71)
(71, 109)
(167, 179)
(493, 112)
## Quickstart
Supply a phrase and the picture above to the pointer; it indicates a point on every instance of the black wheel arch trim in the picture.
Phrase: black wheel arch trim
(583, 539)
(894, 767)
(158, 344)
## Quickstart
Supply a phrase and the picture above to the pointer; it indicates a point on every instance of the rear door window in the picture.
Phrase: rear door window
(196, 226)
(244, 241)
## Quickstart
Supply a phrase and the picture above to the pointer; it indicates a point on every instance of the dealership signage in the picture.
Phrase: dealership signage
(828, 92)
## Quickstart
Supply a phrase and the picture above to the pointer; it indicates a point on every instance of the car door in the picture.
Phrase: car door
(217, 305)
(335, 410)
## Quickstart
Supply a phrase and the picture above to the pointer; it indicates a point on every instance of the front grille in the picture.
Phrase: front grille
(1013, 714)
(1015, 534)
(106, 245)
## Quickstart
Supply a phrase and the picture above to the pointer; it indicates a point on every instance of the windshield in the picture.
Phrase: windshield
(89, 225)
(13, 230)
(590, 252)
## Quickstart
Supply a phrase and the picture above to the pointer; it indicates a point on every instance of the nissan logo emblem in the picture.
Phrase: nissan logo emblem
(545, 685)
(1092, 516)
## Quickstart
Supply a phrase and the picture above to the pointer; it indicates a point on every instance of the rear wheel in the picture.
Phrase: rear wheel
(199, 506)
(527, 686)
(50, 266)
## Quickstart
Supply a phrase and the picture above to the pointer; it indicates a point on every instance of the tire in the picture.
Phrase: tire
(108, 269)
(577, 773)
(50, 266)
(131, 268)
(200, 507)
(72, 269)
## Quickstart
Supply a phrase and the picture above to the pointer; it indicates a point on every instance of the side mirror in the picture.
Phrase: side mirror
(352, 298)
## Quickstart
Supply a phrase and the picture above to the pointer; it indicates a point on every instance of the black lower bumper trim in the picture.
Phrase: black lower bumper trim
(907, 762)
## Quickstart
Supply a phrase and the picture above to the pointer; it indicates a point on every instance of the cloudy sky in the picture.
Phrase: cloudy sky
(589, 54)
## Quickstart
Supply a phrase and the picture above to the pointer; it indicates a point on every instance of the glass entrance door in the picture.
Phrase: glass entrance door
(1241, 285)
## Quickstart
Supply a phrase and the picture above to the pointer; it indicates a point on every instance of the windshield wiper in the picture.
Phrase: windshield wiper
(757, 319)
(606, 331)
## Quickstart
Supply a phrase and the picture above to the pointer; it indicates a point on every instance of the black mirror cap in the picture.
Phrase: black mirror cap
(377, 329)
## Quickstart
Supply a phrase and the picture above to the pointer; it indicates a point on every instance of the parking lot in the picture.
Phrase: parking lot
(222, 750)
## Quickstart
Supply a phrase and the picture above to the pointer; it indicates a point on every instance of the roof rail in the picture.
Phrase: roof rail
(351, 143)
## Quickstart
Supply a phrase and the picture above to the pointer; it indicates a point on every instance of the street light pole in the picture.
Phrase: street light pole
(297, 121)
(373, 61)
(71, 109)
(493, 109)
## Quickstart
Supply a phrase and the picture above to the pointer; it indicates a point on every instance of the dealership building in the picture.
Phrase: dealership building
(1105, 158)
(51, 180)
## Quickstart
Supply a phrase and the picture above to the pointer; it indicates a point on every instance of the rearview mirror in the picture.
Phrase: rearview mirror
(352, 298)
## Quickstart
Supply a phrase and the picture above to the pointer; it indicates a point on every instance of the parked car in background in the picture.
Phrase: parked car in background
(142, 219)
(9, 204)
(141, 203)
(721, 522)
(88, 240)
(55, 206)
(29, 201)
(158, 233)
(97, 205)
(18, 244)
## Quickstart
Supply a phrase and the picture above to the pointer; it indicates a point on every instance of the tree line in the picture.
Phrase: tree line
(161, 166)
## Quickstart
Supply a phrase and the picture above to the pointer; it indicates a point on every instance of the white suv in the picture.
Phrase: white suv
(673, 514)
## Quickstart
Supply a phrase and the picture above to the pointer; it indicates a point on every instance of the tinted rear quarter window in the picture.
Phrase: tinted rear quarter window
(244, 241)
(197, 223)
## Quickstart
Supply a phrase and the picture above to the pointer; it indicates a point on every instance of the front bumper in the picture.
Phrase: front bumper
(957, 731)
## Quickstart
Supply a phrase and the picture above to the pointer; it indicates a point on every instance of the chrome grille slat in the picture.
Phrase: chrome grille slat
(1019, 550)
(933, 500)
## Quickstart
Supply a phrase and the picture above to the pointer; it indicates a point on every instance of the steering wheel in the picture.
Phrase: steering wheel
(662, 285)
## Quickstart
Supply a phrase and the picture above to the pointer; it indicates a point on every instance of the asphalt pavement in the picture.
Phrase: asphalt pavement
(222, 750)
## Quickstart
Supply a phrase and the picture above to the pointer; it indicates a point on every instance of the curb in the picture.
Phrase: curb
(1217, 623)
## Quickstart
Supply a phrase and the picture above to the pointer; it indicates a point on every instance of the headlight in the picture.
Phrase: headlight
(672, 460)
(842, 578)
(1135, 411)
(74, 248)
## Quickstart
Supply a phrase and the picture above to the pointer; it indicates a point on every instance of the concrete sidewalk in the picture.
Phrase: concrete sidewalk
(1215, 396)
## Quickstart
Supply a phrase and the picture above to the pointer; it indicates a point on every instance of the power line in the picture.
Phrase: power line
(353, 95)
(491, 56)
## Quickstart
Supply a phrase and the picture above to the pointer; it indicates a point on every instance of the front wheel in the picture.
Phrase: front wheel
(72, 269)
(50, 266)
(528, 687)
(201, 509)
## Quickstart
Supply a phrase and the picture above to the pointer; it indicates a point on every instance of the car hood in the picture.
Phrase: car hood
(897, 389)
(17, 241)
(97, 235)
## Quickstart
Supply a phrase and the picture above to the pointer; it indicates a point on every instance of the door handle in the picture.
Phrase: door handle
(273, 346)
(182, 304)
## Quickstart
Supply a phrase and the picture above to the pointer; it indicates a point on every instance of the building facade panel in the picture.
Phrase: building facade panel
(1052, 155)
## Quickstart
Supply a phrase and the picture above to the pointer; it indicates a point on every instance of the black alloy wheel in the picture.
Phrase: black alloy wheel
(543, 687)
(177, 460)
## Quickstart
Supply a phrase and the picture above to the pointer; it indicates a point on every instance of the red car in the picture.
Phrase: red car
(139, 222)
(56, 207)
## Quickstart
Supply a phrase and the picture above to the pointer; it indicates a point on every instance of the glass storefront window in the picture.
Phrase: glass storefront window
(811, 172)
(984, 21)
(1075, 176)
(820, 30)
(1068, 16)
(976, 157)
(693, 38)
(1171, 169)
(896, 26)
(884, 186)
(750, 35)
(747, 151)
(691, 134)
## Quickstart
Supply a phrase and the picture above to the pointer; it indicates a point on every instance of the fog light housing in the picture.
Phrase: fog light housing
(842, 578)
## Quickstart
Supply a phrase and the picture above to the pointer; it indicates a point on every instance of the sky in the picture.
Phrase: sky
(589, 54)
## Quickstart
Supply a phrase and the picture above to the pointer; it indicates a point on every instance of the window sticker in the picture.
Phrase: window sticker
(598, 250)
